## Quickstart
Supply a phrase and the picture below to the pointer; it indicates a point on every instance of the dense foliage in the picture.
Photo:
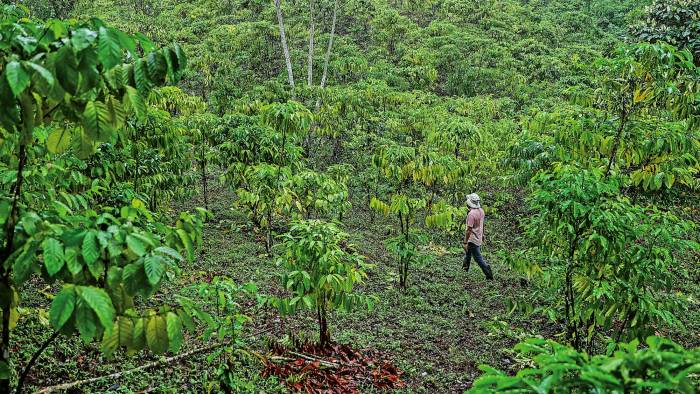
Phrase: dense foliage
(331, 136)
(662, 366)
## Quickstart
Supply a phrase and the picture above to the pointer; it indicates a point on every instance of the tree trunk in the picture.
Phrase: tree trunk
(5, 273)
(323, 334)
(283, 40)
(5, 346)
(32, 361)
(203, 165)
(324, 76)
(616, 143)
(310, 60)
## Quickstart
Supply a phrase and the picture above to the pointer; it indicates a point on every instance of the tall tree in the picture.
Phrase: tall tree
(328, 53)
(283, 40)
(310, 61)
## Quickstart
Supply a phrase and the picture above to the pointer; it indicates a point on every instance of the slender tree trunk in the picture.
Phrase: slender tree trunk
(310, 60)
(203, 165)
(323, 335)
(616, 143)
(5, 346)
(572, 324)
(283, 41)
(5, 273)
(32, 361)
(324, 76)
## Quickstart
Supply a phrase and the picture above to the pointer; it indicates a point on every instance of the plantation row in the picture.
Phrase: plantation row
(99, 145)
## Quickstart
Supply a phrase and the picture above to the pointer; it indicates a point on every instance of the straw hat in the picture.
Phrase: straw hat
(473, 201)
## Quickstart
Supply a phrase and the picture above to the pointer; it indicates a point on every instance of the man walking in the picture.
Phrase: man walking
(474, 236)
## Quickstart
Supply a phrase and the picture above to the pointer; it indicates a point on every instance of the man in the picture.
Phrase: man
(474, 236)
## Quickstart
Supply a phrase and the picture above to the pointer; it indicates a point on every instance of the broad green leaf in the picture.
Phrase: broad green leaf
(157, 67)
(169, 252)
(100, 303)
(137, 243)
(109, 48)
(136, 103)
(180, 56)
(62, 307)
(157, 334)
(17, 77)
(187, 243)
(25, 265)
(96, 122)
(135, 280)
(126, 331)
(154, 267)
(82, 38)
(127, 42)
(175, 337)
(96, 268)
(145, 43)
(143, 83)
(110, 341)
(86, 321)
(66, 69)
(53, 255)
(138, 340)
(43, 73)
(91, 251)
(58, 140)
(72, 261)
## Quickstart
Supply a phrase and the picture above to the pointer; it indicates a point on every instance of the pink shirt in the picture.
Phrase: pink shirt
(475, 220)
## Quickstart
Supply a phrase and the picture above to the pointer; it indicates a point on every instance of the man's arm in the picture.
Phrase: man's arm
(466, 237)
(470, 224)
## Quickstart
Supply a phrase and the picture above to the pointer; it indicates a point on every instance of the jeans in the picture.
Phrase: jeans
(475, 250)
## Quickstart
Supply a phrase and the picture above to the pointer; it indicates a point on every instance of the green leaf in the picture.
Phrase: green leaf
(17, 77)
(138, 244)
(181, 58)
(157, 334)
(85, 320)
(138, 339)
(100, 303)
(43, 73)
(110, 341)
(96, 268)
(109, 49)
(143, 83)
(126, 331)
(72, 262)
(91, 252)
(58, 140)
(155, 268)
(146, 44)
(96, 121)
(175, 337)
(187, 243)
(171, 253)
(66, 69)
(53, 255)
(24, 264)
(137, 103)
(127, 42)
(62, 307)
(82, 38)
(157, 67)
(134, 278)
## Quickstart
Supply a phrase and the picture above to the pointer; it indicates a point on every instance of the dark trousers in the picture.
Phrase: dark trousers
(475, 250)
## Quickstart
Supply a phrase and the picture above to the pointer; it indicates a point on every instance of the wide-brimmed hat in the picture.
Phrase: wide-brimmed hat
(473, 201)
